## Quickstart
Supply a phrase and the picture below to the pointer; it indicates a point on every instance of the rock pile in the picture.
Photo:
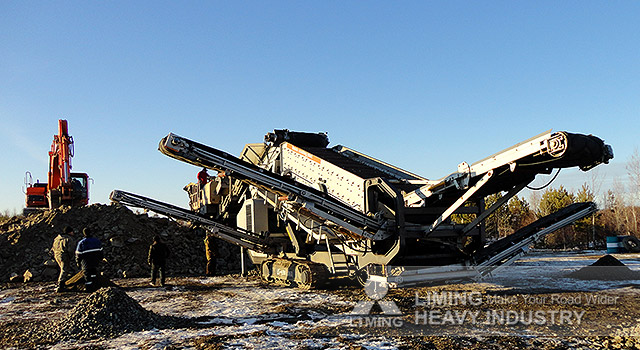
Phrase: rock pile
(106, 313)
(607, 268)
(25, 243)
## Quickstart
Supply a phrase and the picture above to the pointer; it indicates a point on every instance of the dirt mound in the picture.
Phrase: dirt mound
(607, 268)
(107, 313)
(25, 243)
(608, 260)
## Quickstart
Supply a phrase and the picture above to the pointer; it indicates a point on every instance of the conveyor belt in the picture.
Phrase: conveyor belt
(201, 155)
(534, 228)
(508, 249)
(233, 235)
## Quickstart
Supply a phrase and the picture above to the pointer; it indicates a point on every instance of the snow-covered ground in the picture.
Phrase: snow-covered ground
(243, 313)
(545, 270)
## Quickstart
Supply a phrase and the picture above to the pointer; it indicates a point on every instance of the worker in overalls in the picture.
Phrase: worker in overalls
(210, 252)
(63, 248)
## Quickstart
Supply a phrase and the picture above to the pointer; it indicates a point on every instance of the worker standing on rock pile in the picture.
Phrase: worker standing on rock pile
(158, 254)
(88, 256)
(63, 246)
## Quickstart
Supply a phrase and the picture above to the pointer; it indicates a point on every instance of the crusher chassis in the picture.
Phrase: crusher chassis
(306, 212)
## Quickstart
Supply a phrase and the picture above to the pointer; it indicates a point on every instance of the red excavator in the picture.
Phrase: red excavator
(63, 187)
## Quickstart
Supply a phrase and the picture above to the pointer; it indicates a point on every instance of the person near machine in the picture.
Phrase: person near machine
(63, 246)
(210, 252)
(158, 254)
(203, 177)
(88, 256)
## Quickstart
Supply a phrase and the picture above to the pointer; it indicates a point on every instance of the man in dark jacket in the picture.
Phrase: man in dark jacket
(158, 254)
(88, 256)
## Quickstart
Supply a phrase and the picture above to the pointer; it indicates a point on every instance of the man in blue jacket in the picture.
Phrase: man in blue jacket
(88, 255)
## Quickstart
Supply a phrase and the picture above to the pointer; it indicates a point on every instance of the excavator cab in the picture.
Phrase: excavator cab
(80, 189)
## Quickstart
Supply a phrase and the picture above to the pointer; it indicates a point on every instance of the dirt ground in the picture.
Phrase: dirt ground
(530, 306)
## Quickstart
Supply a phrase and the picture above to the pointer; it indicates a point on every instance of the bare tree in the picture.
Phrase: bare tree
(595, 178)
(633, 170)
(534, 200)
(620, 206)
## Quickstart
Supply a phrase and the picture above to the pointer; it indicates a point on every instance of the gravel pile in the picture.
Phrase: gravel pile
(607, 268)
(25, 243)
(106, 313)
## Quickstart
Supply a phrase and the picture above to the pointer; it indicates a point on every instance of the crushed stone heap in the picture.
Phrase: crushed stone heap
(25, 243)
(106, 313)
(607, 268)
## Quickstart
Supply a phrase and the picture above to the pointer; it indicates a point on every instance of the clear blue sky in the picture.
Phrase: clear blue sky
(423, 85)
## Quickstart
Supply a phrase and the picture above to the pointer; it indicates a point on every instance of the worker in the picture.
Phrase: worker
(158, 254)
(203, 177)
(63, 246)
(88, 256)
(210, 252)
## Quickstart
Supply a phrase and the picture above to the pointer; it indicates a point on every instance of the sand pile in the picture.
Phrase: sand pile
(107, 313)
(607, 268)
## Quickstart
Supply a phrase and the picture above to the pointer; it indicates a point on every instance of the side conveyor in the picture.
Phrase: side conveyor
(492, 257)
(233, 235)
(507, 249)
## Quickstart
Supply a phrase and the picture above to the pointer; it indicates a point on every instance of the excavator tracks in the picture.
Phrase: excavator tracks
(301, 274)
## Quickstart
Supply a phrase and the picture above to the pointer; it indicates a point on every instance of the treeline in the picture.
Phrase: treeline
(6, 215)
